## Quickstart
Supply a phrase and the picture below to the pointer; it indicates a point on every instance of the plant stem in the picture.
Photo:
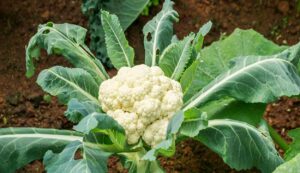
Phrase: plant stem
(141, 166)
(278, 139)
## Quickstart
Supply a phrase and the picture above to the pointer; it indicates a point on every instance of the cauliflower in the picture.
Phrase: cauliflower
(142, 100)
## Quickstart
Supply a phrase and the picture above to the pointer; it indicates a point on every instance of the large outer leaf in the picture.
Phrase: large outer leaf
(158, 32)
(215, 58)
(94, 160)
(291, 166)
(175, 57)
(104, 136)
(294, 147)
(67, 83)
(118, 50)
(126, 10)
(240, 145)
(253, 79)
(67, 40)
(19, 146)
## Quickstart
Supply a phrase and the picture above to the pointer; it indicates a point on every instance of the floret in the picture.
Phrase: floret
(142, 100)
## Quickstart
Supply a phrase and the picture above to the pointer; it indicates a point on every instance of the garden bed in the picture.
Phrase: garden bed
(21, 100)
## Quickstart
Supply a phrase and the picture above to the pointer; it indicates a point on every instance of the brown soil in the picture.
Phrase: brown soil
(21, 100)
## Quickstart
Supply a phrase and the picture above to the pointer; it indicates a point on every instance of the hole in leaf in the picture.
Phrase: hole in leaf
(78, 154)
(157, 52)
(46, 31)
(149, 37)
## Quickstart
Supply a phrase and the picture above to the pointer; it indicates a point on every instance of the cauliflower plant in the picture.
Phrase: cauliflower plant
(143, 100)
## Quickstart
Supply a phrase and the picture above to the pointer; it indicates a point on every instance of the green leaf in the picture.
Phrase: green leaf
(126, 10)
(190, 75)
(294, 147)
(175, 57)
(68, 83)
(107, 134)
(198, 41)
(158, 33)
(215, 58)
(87, 123)
(253, 79)
(104, 136)
(240, 145)
(118, 50)
(228, 108)
(93, 160)
(291, 166)
(66, 40)
(167, 147)
(194, 121)
(19, 146)
(77, 110)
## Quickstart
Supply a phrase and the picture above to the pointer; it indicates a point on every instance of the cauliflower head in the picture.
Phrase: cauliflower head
(142, 100)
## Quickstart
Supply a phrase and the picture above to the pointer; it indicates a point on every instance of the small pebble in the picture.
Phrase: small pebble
(283, 7)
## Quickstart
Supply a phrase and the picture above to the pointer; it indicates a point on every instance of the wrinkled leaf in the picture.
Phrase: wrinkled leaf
(126, 10)
(175, 58)
(240, 145)
(118, 49)
(215, 59)
(68, 83)
(253, 79)
(19, 146)
(67, 40)
(93, 160)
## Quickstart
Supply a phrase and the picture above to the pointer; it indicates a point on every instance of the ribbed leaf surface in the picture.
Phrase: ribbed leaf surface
(252, 79)
(118, 49)
(67, 40)
(240, 145)
(158, 33)
(175, 57)
(19, 146)
(68, 83)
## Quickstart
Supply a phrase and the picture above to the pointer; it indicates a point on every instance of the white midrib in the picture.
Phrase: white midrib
(126, 57)
(155, 37)
(233, 75)
(99, 72)
(43, 136)
(75, 86)
(180, 60)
